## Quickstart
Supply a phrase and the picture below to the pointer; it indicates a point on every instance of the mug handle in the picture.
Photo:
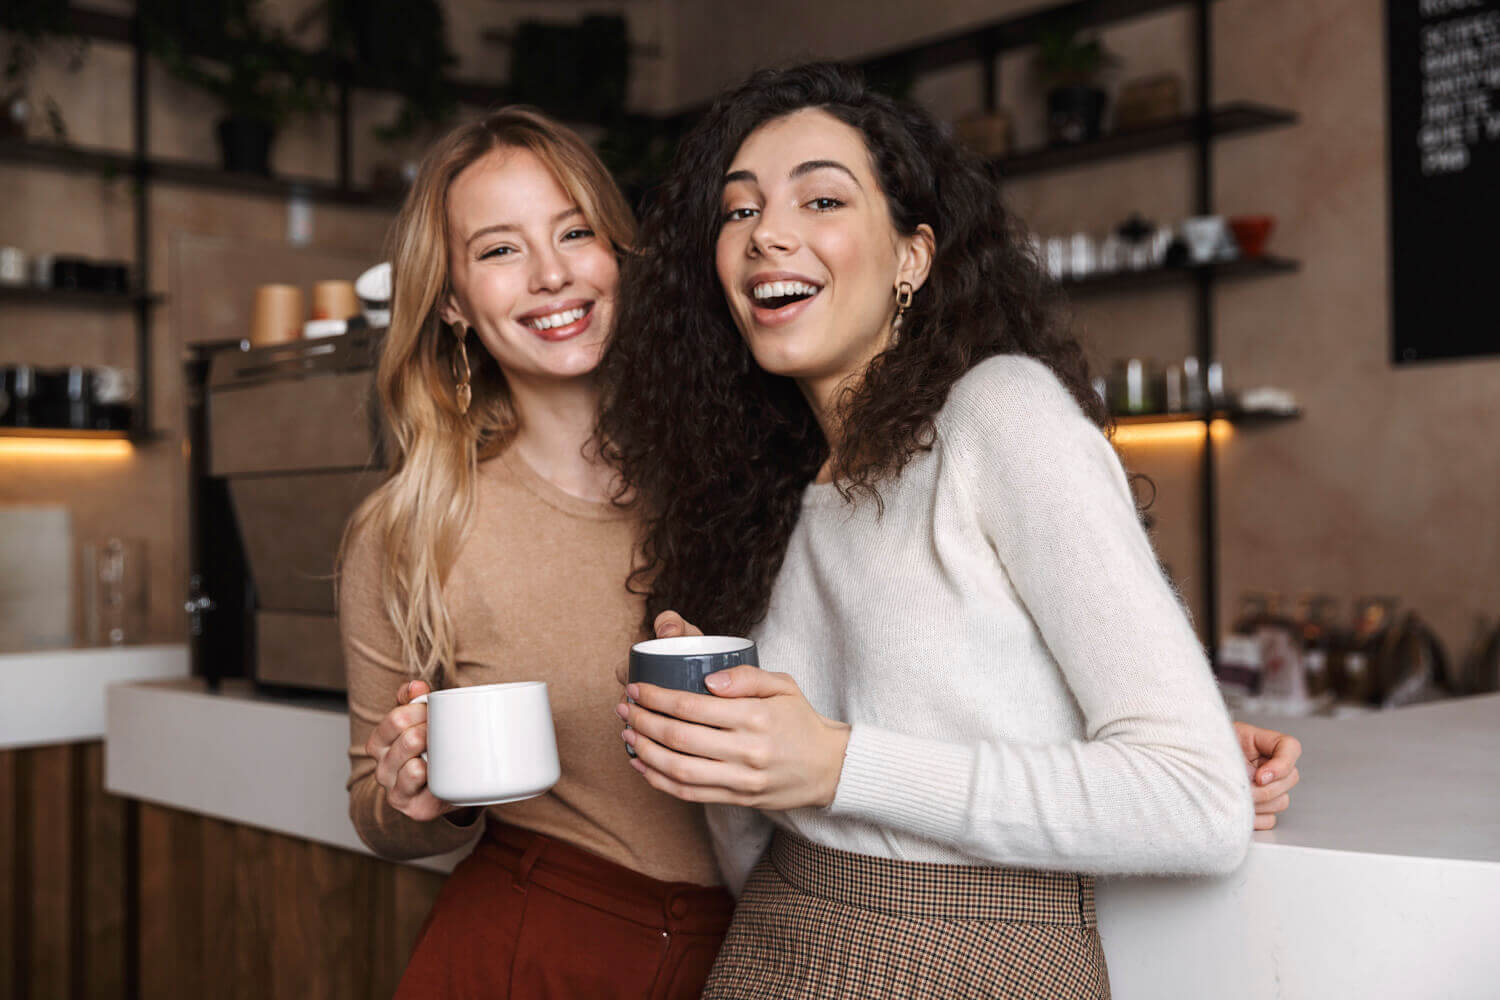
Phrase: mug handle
(420, 699)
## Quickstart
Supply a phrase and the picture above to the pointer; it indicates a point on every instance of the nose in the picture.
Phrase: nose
(549, 271)
(773, 234)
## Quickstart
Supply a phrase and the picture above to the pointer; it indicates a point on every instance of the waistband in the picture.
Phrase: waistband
(676, 907)
(934, 891)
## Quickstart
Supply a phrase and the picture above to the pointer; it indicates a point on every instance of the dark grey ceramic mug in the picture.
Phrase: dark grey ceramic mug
(681, 662)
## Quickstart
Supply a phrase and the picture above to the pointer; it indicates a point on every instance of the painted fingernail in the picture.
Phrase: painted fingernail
(1266, 777)
(716, 682)
(628, 736)
(633, 691)
(623, 710)
(640, 768)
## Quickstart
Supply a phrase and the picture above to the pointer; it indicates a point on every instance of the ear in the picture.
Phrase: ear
(914, 256)
(449, 311)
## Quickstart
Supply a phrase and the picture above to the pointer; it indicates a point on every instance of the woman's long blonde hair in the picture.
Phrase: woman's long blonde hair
(420, 514)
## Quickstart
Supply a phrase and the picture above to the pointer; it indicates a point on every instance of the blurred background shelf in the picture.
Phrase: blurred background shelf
(1159, 277)
(76, 297)
(1239, 418)
(1229, 119)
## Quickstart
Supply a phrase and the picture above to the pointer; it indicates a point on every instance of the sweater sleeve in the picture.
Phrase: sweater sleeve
(740, 837)
(1157, 783)
(375, 672)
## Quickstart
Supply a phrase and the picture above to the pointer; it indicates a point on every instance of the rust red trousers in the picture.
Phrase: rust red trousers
(528, 918)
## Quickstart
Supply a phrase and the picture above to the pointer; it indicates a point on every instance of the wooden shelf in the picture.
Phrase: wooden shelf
(1230, 119)
(994, 37)
(75, 297)
(187, 174)
(1159, 277)
(1239, 418)
(66, 433)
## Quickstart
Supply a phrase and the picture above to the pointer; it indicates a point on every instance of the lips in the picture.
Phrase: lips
(778, 298)
(559, 321)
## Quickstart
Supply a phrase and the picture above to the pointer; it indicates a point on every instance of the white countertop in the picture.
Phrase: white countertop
(1421, 782)
(1382, 881)
(277, 763)
(57, 696)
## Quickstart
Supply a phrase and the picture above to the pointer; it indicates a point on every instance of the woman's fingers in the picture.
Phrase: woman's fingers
(389, 729)
(670, 623)
(407, 745)
(676, 789)
(1276, 790)
(411, 779)
(682, 737)
(704, 709)
(679, 767)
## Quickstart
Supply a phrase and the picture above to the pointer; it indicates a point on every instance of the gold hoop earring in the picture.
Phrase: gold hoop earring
(903, 302)
(463, 394)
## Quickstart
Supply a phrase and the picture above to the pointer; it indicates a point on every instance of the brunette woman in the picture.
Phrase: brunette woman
(859, 433)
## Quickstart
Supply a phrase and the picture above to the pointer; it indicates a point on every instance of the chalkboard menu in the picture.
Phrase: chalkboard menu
(1444, 135)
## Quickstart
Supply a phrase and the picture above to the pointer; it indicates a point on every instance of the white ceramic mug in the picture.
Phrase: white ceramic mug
(490, 743)
(1205, 236)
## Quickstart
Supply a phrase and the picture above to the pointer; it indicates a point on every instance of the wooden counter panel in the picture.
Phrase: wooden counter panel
(233, 911)
(225, 910)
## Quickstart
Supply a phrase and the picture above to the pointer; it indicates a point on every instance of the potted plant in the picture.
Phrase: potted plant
(227, 49)
(579, 72)
(399, 46)
(30, 27)
(1070, 68)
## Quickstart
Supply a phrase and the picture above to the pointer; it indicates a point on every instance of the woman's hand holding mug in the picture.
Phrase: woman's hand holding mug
(397, 745)
(754, 741)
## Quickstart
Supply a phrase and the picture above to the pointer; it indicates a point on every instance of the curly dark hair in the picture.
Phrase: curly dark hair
(718, 451)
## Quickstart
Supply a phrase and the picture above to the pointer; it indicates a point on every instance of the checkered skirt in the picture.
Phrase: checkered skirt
(821, 924)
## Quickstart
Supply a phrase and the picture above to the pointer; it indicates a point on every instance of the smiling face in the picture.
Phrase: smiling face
(527, 271)
(807, 255)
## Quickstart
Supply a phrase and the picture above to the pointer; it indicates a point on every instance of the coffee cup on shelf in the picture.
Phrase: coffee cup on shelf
(1206, 237)
(277, 316)
(334, 300)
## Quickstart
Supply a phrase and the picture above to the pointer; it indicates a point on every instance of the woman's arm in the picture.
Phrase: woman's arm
(1156, 783)
(378, 697)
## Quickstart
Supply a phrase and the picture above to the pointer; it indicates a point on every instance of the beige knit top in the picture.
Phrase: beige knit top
(537, 593)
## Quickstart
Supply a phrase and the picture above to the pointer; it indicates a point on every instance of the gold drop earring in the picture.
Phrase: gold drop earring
(903, 303)
(461, 369)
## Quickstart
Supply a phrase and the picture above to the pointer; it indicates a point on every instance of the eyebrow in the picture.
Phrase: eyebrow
(800, 170)
(512, 228)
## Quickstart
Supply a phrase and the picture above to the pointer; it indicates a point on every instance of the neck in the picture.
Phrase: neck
(556, 425)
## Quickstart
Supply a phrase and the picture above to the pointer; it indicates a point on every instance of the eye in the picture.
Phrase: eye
(825, 204)
(740, 214)
(497, 252)
(580, 233)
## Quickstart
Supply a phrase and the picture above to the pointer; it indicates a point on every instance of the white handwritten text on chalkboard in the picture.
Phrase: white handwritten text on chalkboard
(1460, 70)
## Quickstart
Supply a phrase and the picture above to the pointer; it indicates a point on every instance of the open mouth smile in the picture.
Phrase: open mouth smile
(560, 323)
(778, 299)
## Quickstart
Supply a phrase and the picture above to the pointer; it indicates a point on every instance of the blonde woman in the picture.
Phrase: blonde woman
(493, 529)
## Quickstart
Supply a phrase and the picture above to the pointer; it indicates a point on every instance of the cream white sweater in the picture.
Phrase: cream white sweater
(1023, 683)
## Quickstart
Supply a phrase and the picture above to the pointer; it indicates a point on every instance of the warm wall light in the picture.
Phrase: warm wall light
(64, 448)
(1170, 432)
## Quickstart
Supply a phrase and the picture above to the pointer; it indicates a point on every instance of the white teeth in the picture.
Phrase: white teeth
(778, 289)
(557, 319)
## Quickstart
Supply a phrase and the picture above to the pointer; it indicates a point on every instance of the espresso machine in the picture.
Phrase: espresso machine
(285, 443)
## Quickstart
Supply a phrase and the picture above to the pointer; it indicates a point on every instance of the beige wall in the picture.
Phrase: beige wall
(1391, 482)
(1389, 485)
